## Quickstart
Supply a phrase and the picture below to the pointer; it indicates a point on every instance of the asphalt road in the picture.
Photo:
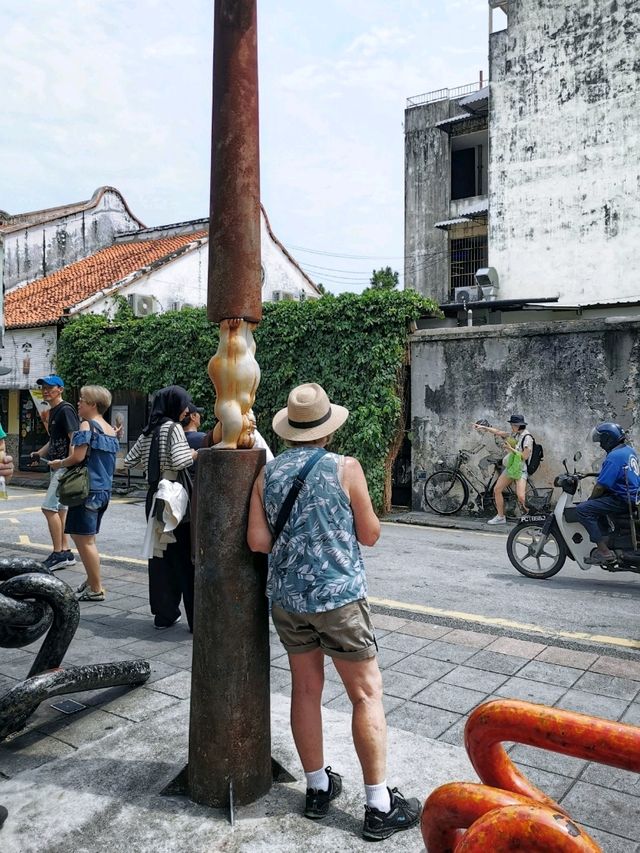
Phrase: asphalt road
(451, 574)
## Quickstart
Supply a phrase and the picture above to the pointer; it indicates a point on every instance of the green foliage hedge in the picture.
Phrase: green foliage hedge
(356, 347)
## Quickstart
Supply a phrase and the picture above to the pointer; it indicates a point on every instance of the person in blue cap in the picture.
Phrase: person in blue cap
(63, 421)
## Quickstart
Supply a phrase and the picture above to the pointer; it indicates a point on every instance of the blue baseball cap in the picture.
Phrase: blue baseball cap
(51, 380)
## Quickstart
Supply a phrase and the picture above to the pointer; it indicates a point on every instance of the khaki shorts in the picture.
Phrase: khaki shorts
(345, 632)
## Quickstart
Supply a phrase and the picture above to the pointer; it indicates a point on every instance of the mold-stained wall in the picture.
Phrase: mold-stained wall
(563, 377)
(564, 134)
(37, 244)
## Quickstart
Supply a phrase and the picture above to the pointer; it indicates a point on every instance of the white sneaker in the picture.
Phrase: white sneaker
(497, 519)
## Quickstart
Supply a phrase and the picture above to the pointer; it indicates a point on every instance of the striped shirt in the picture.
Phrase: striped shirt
(174, 455)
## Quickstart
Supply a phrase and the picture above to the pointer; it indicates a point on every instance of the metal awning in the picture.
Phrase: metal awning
(477, 103)
(459, 121)
(464, 218)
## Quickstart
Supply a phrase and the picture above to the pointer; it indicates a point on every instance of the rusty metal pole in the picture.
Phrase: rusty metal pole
(229, 735)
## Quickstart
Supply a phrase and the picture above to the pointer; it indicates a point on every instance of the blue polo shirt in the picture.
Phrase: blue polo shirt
(619, 467)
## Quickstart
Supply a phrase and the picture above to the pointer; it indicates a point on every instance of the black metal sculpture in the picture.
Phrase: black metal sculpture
(34, 601)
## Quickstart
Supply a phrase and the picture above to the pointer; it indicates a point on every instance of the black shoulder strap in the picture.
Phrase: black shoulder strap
(294, 491)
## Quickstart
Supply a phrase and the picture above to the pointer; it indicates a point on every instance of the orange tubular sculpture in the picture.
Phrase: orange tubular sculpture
(512, 814)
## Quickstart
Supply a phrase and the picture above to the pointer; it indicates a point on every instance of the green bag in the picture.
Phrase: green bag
(73, 486)
(513, 469)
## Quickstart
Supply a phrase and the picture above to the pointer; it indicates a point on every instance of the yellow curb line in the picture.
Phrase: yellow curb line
(497, 622)
(23, 539)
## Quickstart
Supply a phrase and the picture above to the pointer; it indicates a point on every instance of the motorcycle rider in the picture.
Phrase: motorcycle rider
(618, 483)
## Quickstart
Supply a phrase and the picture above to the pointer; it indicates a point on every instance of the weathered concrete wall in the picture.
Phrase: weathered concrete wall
(564, 132)
(427, 194)
(36, 245)
(30, 353)
(564, 377)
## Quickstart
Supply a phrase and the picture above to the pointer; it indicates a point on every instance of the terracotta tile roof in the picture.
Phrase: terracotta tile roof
(42, 302)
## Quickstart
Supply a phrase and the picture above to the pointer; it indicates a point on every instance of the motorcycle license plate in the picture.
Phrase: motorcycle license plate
(533, 518)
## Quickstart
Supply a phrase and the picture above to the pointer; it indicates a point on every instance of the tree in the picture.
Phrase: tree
(384, 279)
(323, 290)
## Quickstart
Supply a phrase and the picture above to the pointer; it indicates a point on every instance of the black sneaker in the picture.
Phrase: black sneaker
(403, 814)
(317, 803)
(161, 627)
(70, 558)
(56, 560)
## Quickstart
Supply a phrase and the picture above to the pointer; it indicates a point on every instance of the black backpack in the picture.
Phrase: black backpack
(537, 455)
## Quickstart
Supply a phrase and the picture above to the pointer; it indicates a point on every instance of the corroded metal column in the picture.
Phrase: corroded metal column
(229, 736)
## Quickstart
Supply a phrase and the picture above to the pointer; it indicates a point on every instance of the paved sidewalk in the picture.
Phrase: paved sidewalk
(90, 781)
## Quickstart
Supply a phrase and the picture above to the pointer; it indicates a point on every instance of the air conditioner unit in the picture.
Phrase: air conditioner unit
(276, 296)
(142, 306)
(467, 294)
(175, 306)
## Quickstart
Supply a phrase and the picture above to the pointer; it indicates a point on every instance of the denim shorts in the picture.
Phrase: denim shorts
(84, 520)
(51, 502)
(345, 632)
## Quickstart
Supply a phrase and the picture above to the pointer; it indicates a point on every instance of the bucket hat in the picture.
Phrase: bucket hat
(309, 414)
(517, 419)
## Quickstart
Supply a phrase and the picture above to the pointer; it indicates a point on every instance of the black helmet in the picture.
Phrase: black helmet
(608, 435)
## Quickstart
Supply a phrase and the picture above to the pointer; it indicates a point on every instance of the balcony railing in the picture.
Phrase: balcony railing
(444, 94)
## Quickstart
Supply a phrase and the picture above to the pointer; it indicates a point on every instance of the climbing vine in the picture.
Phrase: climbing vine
(355, 346)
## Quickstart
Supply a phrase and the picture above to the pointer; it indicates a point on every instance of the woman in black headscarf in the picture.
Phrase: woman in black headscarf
(164, 452)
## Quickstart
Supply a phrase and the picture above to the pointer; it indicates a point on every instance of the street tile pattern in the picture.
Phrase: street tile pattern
(434, 676)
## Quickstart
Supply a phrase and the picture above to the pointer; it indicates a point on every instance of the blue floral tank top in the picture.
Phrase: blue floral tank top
(315, 564)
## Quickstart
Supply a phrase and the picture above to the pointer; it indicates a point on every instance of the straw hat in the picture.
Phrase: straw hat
(309, 414)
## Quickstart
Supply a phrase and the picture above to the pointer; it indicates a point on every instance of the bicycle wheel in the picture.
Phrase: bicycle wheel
(445, 492)
(521, 547)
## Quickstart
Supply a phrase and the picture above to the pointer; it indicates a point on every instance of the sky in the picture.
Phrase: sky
(107, 92)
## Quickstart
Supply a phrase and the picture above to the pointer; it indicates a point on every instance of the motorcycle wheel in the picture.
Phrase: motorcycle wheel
(445, 492)
(520, 549)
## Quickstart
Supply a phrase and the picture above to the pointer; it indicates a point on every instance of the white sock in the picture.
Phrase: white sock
(318, 779)
(378, 797)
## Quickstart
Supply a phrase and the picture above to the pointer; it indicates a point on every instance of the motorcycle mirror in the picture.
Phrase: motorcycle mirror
(564, 462)
(577, 456)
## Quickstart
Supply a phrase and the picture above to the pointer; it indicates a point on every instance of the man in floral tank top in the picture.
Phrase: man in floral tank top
(317, 589)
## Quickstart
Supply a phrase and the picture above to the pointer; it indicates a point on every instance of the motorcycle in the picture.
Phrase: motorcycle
(541, 542)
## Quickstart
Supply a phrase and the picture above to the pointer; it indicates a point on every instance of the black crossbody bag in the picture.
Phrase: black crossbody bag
(294, 491)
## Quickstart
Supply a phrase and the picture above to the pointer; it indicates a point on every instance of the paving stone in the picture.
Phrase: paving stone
(632, 714)
(589, 703)
(612, 777)
(516, 648)
(474, 679)
(178, 685)
(17, 668)
(455, 734)
(422, 720)
(426, 668)
(388, 657)
(139, 704)
(160, 669)
(401, 684)
(495, 662)
(612, 811)
(389, 623)
(281, 662)
(84, 727)
(450, 652)
(450, 698)
(554, 785)
(424, 629)
(342, 703)
(153, 647)
(281, 681)
(611, 843)
(402, 642)
(530, 691)
(126, 602)
(550, 673)
(609, 685)
(617, 666)
(476, 639)
(544, 759)
(28, 750)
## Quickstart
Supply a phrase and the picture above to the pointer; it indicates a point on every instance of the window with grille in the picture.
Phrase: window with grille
(467, 255)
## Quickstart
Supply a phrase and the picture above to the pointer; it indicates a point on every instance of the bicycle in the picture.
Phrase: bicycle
(448, 490)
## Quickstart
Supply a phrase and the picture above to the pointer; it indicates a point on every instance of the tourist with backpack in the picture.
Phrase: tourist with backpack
(518, 442)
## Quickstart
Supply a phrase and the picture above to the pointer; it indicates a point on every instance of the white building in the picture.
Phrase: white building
(537, 175)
